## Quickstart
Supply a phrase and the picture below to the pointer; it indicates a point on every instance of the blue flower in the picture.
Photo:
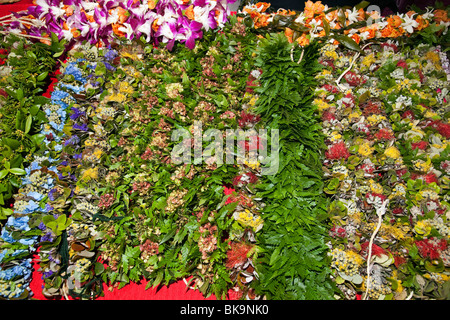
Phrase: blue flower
(33, 166)
(76, 113)
(82, 127)
(20, 223)
(35, 195)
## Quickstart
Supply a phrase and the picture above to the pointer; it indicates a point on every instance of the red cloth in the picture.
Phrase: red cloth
(8, 8)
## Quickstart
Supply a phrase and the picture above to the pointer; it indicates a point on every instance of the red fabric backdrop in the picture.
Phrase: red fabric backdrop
(132, 291)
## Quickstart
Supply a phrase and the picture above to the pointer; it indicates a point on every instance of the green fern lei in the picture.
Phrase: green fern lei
(293, 264)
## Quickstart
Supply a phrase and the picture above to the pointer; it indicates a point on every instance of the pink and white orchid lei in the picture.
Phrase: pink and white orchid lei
(166, 21)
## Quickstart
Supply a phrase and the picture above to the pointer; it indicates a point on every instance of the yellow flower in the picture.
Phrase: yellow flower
(369, 60)
(423, 227)
(365, 149)
(375, 187)
(125, 87)
(392, 152)
(354, 115)
(98, 153)
(88, 174)
(321, 104)
(375, 119)
(423, 166)
(430, 114)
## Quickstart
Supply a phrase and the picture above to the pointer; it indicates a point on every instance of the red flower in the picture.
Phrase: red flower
(430, 177)
(338, 232)
(255, 143)
(248, 119)
(408, 114)
(331, 88)
(237, 255)
(402, 64)
(353, 79)
(328, 116)
(442, 128)
(384, 134)
(337, 151)
(376, 250)
(422, 145)
(246, 178)
(398, 260)
(431, 248)
(3, 93)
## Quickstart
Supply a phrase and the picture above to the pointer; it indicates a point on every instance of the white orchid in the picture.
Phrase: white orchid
(409, 23)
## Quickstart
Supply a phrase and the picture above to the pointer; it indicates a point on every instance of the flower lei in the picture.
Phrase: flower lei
(387, 145)
(347, 26)
(104, 21)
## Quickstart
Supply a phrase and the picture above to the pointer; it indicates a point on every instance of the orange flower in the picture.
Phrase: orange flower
(394, 21)
(45, 41)
(289, 33)
(371, 32)
(356, 37)
(152, 4)
(190, 12)
(440, 15)
(423, 23)
(68, 10)
(122, 13)
(387, 31)
(361, 14)
(75, 32)
(303, 40)
(261, 20)
(155, 25)
(284, 12)
(263, 5)
(311, 8)
(115, 27)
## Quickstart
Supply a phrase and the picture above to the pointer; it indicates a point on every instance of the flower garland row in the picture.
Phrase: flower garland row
(386, 128)
(318, 21)
(126, 204)
(24, 69)
(152, 21)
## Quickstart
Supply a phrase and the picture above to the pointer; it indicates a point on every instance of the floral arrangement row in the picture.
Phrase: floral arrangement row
(346, 26)
(292, 259)
(385, 118)
(108, 20)
(25, 69)
(115, 199)
(25, 155)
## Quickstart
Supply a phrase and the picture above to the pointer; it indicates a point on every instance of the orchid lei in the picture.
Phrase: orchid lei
(165, 21)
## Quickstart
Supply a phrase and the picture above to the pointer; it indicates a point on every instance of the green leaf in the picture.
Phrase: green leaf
(38, 138)
(12, 143)
(19, 94)
(17, 171)
(362, 5)
(99, 268)
(28, 123)
(3, 173)
(347, 42)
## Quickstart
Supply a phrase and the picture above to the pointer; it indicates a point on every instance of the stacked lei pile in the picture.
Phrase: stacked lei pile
(104, 201)
(387, 131)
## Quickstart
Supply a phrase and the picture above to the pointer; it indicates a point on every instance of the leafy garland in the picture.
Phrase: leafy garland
(24, 74)
(258, 231)
(25, 70)
(292, 260)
